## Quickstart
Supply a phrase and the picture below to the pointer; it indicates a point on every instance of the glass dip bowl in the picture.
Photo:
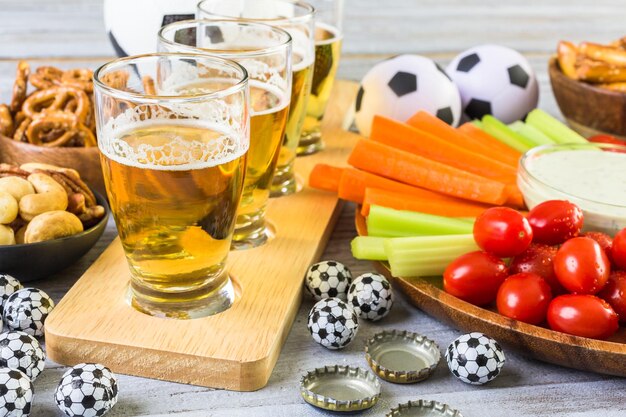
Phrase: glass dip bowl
(590, 175)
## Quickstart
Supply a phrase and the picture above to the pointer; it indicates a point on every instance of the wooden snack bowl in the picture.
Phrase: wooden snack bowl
(588, 109)
(84, 160)
(602, 356)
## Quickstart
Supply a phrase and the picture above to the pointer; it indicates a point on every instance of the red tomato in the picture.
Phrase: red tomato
(614, 293)
(582, 315)
(605, 241)
(502, 231)
(538, 259)
(618, 251)
(475, 277)
(555, 221)
(612, 140)
(524, 297)
(581, 266)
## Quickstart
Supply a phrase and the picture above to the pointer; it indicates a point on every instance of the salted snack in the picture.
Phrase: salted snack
(332, 323)
(27, 310)
(475, 358)
(340, 388)
(370, 296)
(8, 285)
(16, 397)
(23, 352)
(88, 389)
(402, 357)
(423, 408)
(328, 279)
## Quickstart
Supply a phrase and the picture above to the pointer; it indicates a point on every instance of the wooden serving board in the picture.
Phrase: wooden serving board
(605, 357)
(236, 349)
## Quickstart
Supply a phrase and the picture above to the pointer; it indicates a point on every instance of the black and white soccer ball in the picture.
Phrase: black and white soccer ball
(401, 86)
(23, 352)
(87, 390)
(332, 323)
(328, 279)
(130, 35)
(371, 296)
(27, 310)
(16, 393)
(475, 358)
(495, 80)
(8, 285)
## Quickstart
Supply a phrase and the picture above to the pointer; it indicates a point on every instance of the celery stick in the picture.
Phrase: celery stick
(422, 269)
(535, 135)
(369, 248)
(516, 126)
(505, 135)
(553, 128)
(426, 242)
(387, 222)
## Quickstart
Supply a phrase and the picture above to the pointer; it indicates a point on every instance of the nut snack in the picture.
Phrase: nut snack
(40, 202)
(58, 111)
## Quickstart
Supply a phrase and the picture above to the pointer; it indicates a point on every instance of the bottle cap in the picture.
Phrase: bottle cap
(423, 408)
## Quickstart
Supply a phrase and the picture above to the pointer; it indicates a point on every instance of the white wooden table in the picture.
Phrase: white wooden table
(70, 33)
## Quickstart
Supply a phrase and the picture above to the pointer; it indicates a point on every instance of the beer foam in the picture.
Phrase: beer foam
(301, 59)
(283, 98)
(330, 29)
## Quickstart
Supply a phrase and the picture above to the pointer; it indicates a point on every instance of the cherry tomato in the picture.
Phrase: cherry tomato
(612, 140)
(614, 293)
(524, 297)
(555, 221)
(581, 266)
(475, 277)
(538, 259)
(605, 241)
(618, 251)
(582, 315)
(502, 231)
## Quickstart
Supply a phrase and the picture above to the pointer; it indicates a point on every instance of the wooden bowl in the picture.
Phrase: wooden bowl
(588, 109)
(84, 160)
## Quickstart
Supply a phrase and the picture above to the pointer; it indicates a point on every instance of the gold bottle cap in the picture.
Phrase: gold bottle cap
(340, 388)
(402, 357)
(423, 408)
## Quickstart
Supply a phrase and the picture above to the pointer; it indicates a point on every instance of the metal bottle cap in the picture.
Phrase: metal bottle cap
(340, 388)
(402, 357)
(423, 408)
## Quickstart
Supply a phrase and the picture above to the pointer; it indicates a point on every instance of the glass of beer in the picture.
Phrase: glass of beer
(298, 19)
(328, 36)
(173, 133)
(265, 52)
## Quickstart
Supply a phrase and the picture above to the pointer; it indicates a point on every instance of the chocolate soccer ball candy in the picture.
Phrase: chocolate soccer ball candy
(27, 310)
(16, 393)
(332, 323)
(87, 390)
(475, 358)
(328, 279)
(370, 296)
(8, 285)
(23, 352)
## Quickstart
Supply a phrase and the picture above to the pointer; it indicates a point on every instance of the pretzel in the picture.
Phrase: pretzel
(58, 98)
(621, 86)
(46, 77)
(599, 72)
(6, 121)
(79, 78)
(607, 54)
(567, 53)
(116, 79)
(62, 125)
(148, 85)
(19, 87)
(20, 130)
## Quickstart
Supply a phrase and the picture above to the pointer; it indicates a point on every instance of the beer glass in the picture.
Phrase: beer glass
(173, 132)
(328, 36)
(265, 51)
(297, 19)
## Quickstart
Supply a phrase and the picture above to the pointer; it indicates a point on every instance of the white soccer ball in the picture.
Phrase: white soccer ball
(132, 26)
(495, 80)
(328, 279)
(370, 296)
(399, 87)
(475, 358)
(332, 323)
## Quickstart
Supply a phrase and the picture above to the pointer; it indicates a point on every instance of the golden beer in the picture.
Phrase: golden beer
(327, 53)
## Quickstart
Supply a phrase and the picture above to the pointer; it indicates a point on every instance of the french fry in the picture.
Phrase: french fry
(567, 55)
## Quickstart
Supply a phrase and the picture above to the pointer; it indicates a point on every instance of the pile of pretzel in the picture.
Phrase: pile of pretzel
(59, 110)
(602, 65)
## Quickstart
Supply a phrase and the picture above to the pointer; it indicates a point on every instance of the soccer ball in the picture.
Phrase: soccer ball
(16, 393)
(87, 390)
(332, 323)
(130, 35)
(475, 358)
(370, 296)
(399, 87)
(495, 80)
(27, 310)
(8, 285)
(23, 352)
(328, 279)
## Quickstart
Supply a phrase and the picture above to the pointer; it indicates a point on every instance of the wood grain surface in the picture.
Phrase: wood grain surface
(70, 33)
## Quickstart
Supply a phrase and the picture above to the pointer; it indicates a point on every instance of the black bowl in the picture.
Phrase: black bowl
(28, 262)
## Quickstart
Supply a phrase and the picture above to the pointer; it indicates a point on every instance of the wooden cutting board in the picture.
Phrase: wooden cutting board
(236, 349)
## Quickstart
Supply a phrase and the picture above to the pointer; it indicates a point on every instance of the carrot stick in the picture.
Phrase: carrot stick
(407, 138)
(413, 169)
(439, 204)
(354, 182)
(489, 144)
(325, 177)
(515, 198)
